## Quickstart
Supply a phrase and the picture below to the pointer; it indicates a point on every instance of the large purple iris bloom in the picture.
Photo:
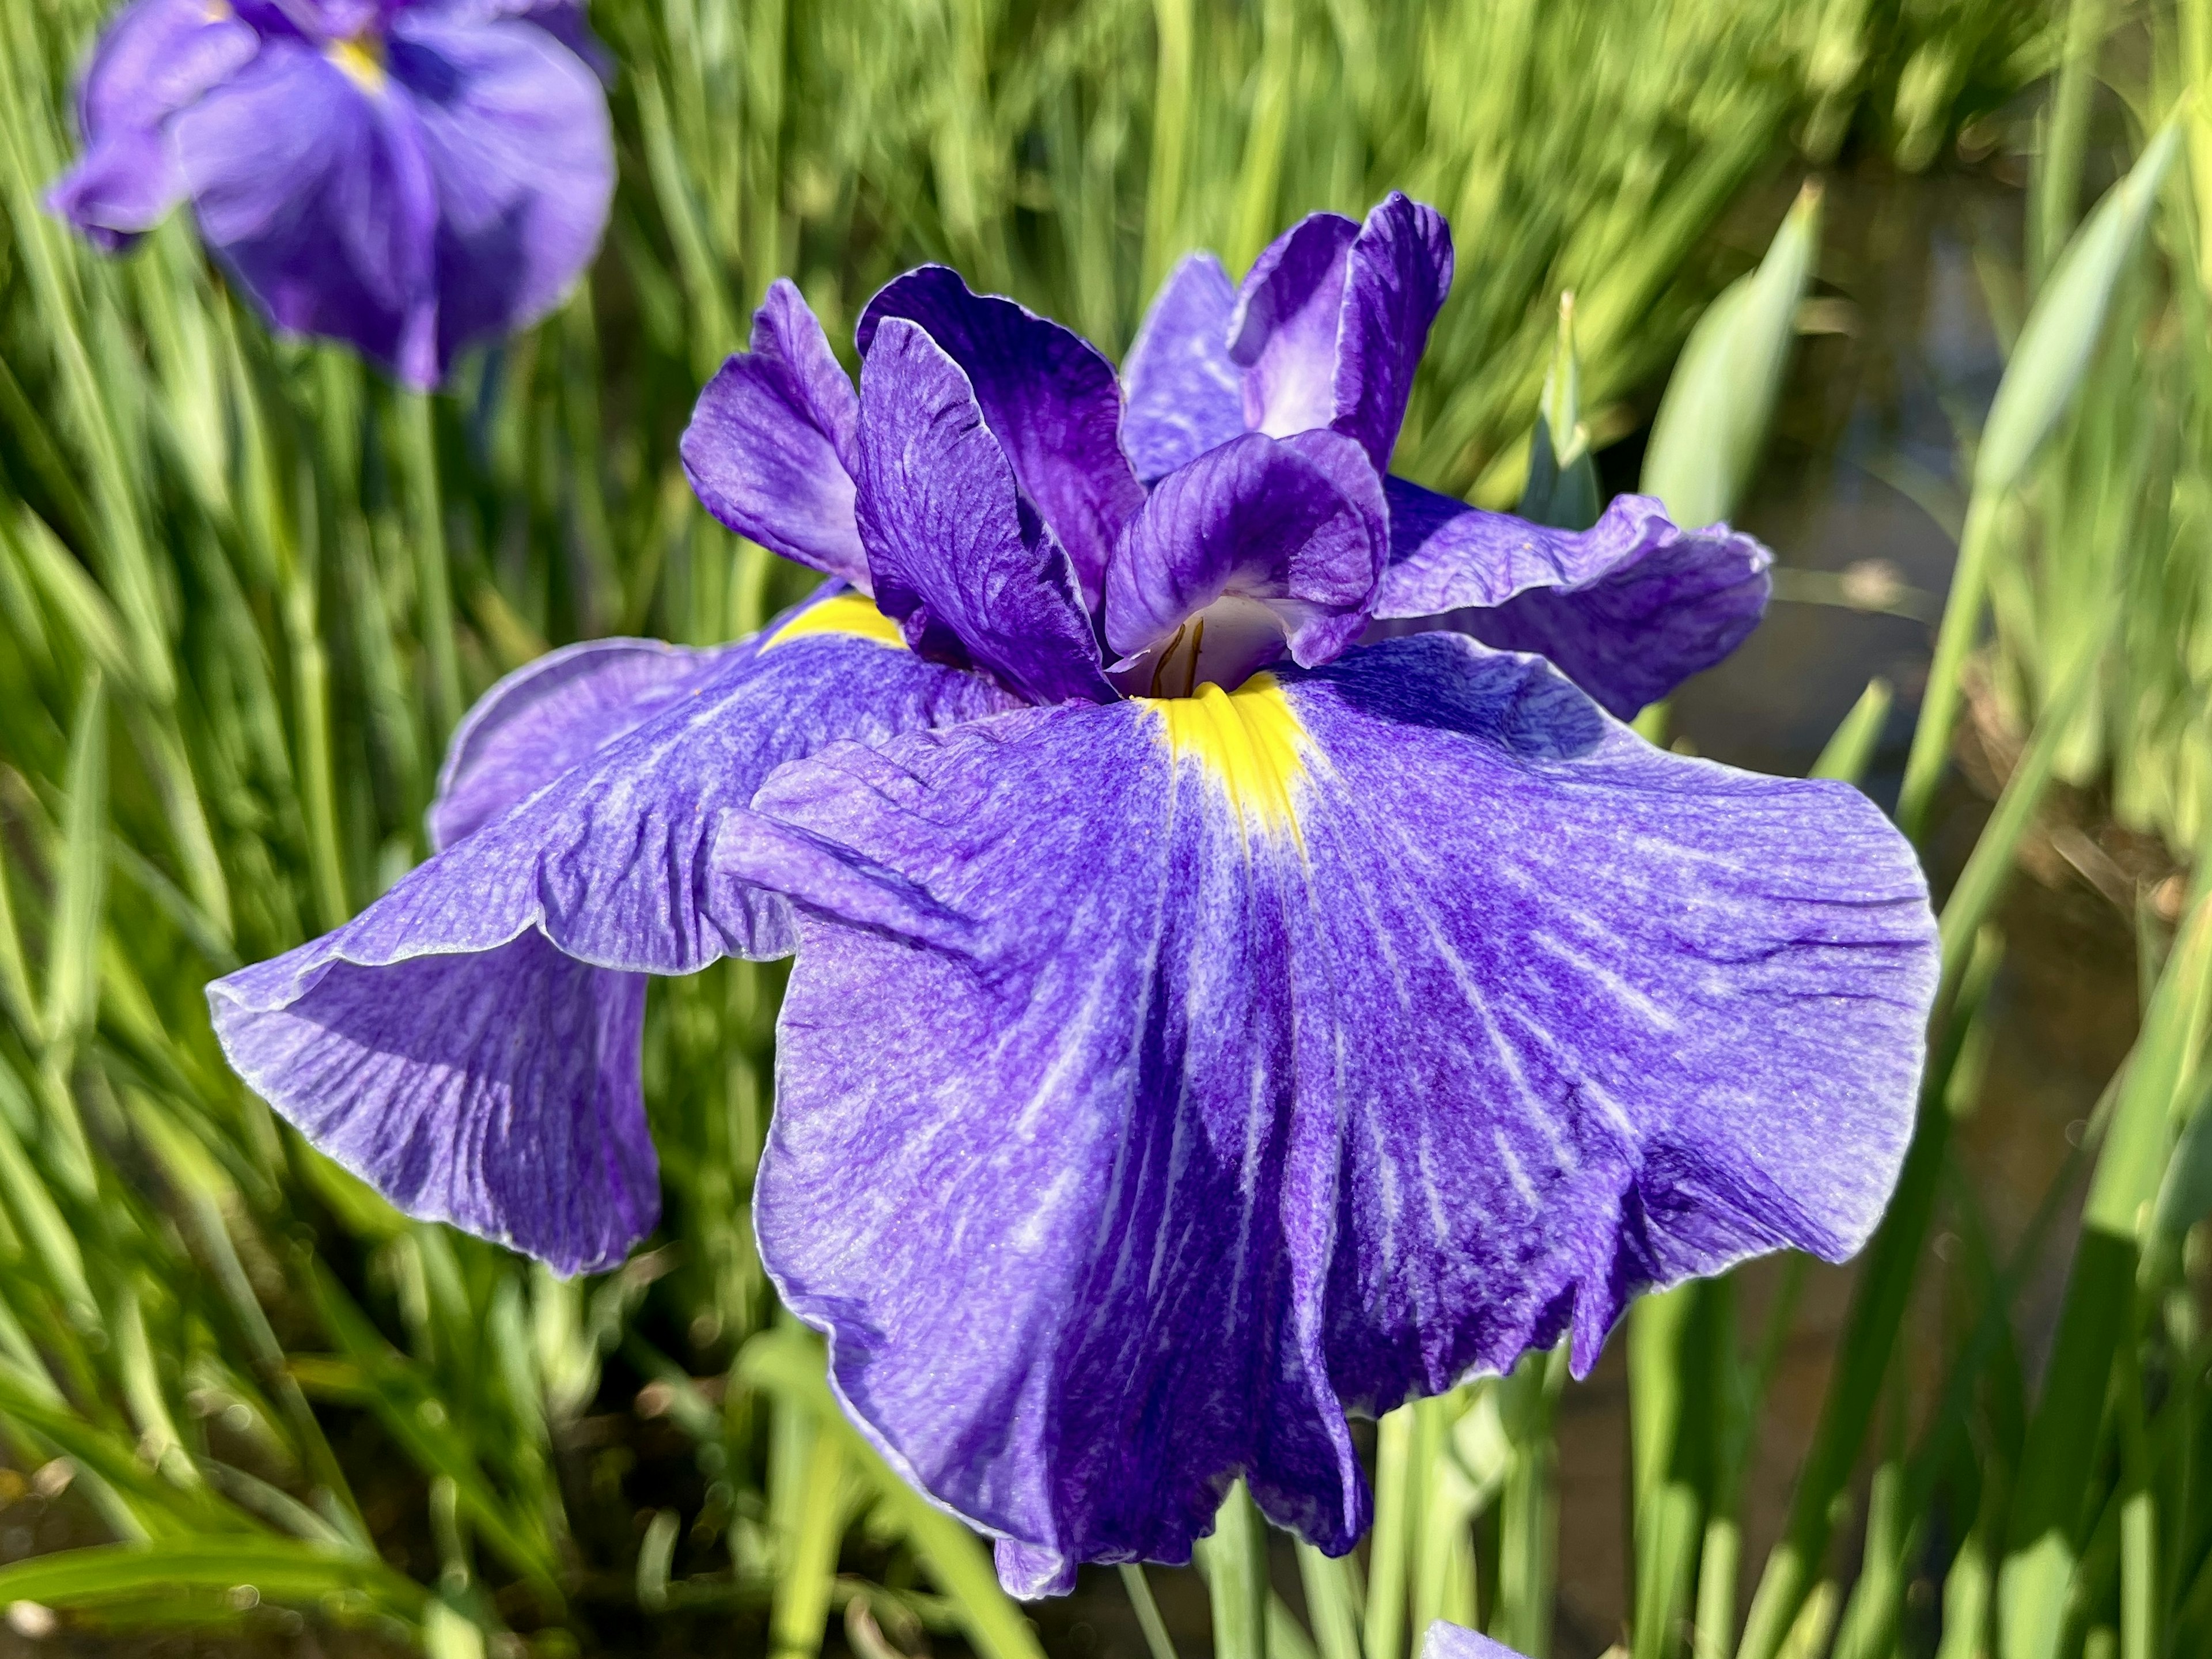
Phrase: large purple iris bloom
(1204, 1025)
(407, 175)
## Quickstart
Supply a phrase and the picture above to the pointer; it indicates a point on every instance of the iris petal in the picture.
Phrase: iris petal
(771, 444)
(1284, 330)
(468, 1042)
(157, 56)
(1185, 394)
(1449, 1641)
(956, 556)
(498, 1091)
(549, 716)
(515, 132)
(1628, 610)
(1050, 398)
(411, 202)
(1255, 519)
(1181, 1134)
(1399, 269)
(320, 197)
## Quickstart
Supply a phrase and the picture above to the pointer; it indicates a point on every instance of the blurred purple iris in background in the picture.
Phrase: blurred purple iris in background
(409, 176)
(1205, 1025)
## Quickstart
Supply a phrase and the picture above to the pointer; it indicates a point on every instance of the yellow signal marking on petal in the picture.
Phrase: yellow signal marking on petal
(1250, 741)
(215, 11)
(359, 61)
(849, 614)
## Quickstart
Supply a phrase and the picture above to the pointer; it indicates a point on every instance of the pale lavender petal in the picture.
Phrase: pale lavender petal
(468, 1042)
(1399, 271)
(959, 557)
(1448, 1641)
(1201, 1109)
(1249, 520)
(1051, 401)
(770, 447)
(320, 197)
(1628, 609)
(550, 714)
(1284, 334)
(157, 56)
(1185, 394)
(514, 129)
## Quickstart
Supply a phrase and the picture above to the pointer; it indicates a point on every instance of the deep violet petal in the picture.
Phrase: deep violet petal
(1255, 519)
(1399, 269)
(1138, 1118)
(1049, 397)
(468, 1042)
(956, 558)
(770, 447)
(1628, 609)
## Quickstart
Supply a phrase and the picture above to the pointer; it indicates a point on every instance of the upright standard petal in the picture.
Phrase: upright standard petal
(1050, 397)
(311, 182)
(1628, 609)
(514, 129)
(958, 559)
(1185, 392)
(771, 445)
(1398, 272)
(468, 1042)
(1245, 1054)
(1284, 333)
(1250, 548)
(157, 56)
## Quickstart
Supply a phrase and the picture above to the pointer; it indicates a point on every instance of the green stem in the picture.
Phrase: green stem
(1332, 1602)
(1157, 1640)
(1386, 1549)
(434, 580)
(1237, 1577)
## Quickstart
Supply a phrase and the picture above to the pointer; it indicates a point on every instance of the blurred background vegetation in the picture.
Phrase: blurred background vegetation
(246, 589)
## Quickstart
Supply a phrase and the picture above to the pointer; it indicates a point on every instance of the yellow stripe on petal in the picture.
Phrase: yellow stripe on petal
(850, 614)
(359, 61)
(1250, 742)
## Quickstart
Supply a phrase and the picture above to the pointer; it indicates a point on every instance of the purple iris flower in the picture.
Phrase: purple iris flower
(1204, 1025)
(409, 176)
(1323, 334)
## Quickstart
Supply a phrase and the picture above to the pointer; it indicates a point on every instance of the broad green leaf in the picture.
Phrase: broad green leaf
(1713, 418)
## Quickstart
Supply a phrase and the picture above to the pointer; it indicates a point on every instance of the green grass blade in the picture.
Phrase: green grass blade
(1851, 750)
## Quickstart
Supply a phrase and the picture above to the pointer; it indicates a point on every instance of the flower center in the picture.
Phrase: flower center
(1250, 742)
(1224, 645)
(360, 60)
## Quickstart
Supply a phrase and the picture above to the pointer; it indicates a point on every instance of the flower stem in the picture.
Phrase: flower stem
(1157, 1639)
(1237, 1577)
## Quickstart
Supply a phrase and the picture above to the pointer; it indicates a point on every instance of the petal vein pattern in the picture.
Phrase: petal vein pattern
(469, 1043)
(1201, 1137)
